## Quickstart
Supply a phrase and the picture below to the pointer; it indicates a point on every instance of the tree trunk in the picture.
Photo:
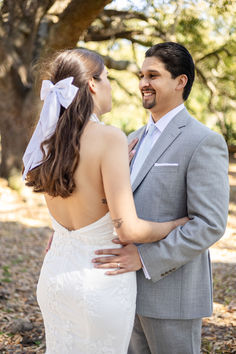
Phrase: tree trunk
(13, 140)
(77, 17)
(25, 32)
(18, 114)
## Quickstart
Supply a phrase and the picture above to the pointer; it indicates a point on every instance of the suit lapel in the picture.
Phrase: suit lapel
(169, 135)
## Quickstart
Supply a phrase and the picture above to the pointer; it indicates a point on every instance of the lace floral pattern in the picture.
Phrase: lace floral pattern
(84, 310)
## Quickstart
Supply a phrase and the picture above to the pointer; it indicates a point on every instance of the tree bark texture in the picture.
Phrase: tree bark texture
(26, 32)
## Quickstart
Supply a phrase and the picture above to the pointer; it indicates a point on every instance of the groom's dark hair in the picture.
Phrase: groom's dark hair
(177, 61)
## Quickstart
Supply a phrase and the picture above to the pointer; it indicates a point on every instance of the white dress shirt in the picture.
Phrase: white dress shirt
(161, 124)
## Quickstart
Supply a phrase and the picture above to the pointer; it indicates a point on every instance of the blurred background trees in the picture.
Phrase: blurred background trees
(121, 31)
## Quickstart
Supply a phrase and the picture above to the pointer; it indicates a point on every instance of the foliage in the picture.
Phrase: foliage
(121, 32)
(206, 27)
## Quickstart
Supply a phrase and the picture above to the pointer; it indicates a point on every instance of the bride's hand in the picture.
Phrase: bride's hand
(131, 148)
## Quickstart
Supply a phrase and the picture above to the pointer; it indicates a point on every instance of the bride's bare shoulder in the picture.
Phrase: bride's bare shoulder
(109, 134)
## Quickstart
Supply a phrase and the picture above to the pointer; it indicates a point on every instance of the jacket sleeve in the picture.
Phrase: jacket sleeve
(207, 205)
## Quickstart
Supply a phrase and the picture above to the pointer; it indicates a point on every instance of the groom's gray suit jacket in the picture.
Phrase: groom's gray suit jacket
(186, 173)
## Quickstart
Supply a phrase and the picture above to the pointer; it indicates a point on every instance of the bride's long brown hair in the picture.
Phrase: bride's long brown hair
(55, 176)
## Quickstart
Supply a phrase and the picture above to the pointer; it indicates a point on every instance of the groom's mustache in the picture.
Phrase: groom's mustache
(148, 90)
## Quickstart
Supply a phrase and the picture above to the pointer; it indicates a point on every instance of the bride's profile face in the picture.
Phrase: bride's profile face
(102, 97)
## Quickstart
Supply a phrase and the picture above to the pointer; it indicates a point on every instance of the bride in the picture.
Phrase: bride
(82, 168)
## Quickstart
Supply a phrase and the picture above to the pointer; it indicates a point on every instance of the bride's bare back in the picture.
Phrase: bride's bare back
(88, 202)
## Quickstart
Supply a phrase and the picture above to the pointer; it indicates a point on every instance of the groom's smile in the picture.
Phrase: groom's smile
(148, 93)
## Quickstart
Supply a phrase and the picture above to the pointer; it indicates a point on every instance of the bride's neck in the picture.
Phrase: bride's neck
(96, 111)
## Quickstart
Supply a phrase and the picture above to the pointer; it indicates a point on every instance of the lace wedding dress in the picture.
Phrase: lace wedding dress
(84, 310)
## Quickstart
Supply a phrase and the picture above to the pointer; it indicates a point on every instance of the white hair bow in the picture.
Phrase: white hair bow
(54, 96)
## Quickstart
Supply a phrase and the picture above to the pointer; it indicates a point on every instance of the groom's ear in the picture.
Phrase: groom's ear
(92, 85)
(181, 82)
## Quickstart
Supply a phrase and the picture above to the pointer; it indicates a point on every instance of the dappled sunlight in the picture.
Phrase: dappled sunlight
(23, 206)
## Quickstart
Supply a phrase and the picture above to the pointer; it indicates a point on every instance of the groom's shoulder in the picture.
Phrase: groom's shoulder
(197, 128)
(197, 133)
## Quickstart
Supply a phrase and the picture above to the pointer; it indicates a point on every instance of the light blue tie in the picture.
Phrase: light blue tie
(143, 152)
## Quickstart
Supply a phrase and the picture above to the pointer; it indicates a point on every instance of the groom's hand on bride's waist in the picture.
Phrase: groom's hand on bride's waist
(122, 260)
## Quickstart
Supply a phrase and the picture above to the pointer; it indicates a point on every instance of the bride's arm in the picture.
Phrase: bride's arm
(116, 182)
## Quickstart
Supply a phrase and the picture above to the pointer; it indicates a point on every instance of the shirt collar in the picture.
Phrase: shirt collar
(165, 120)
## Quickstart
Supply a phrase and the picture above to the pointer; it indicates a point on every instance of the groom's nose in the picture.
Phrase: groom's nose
(144, 83)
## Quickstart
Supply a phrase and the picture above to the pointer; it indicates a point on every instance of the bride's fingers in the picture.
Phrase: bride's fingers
(132, 144)
(131, 155)
(131, 148)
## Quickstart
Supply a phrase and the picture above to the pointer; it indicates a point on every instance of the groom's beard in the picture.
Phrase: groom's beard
(149, 104)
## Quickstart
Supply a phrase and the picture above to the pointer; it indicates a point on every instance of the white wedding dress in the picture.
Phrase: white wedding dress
(84, 310)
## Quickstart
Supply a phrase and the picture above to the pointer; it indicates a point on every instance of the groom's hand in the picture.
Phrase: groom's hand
(123, 260)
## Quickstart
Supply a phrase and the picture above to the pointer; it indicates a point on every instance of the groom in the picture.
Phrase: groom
(184, 172)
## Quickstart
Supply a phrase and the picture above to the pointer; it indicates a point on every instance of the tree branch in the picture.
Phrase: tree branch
(179, 6)
(123, 14)
(121, 64)
(111, 33)
(77, 16)
(210, 88)
(19, 27)
(124, 88)
(214, 53)
(111, 24)
(101, 34)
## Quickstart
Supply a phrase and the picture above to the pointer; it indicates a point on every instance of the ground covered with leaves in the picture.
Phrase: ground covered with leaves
(24, 231)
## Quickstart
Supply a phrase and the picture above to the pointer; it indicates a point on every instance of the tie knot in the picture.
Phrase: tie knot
(151, 129)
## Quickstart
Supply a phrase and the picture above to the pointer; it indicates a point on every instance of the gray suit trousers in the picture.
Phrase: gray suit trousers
(161, 336)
